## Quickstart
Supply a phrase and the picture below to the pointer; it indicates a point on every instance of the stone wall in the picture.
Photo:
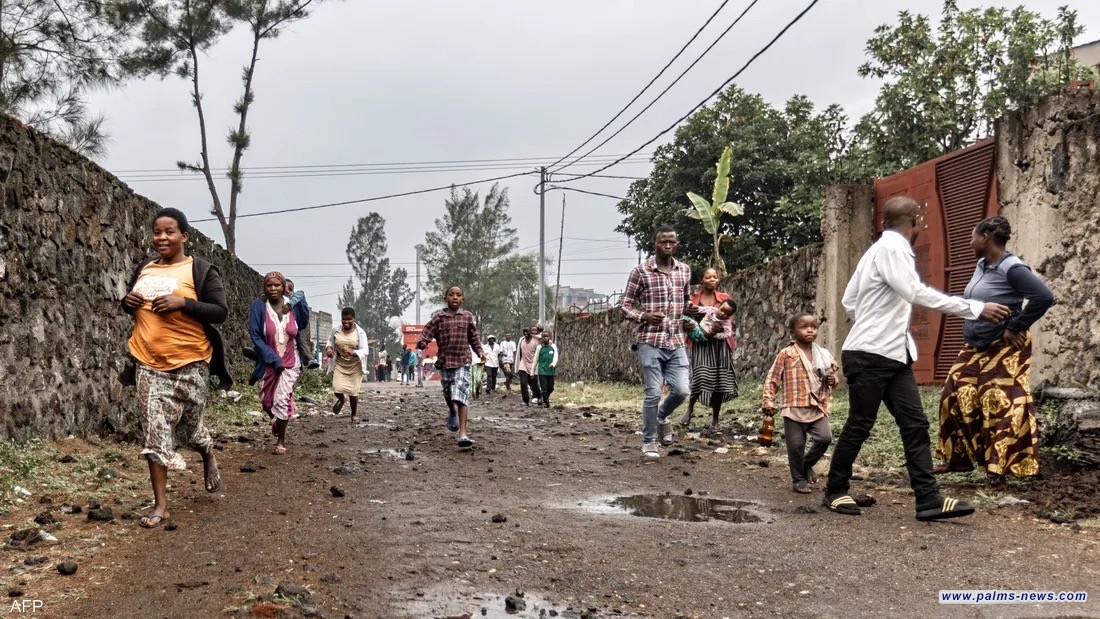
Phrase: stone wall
(1048, 173)
(767, 296)
(597, 347)
(70, 236)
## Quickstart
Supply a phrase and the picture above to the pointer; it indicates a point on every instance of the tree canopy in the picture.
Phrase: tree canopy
(382, 292)
(781, 160)
(474, 246)
(51, 54)
(944, 86)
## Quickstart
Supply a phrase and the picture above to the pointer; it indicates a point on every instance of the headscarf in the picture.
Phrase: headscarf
(275, 275)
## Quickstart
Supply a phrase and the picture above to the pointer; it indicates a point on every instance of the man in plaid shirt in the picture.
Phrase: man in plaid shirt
(454, 330)
(656, 296)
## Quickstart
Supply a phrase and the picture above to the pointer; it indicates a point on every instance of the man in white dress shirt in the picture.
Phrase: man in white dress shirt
(878, 356)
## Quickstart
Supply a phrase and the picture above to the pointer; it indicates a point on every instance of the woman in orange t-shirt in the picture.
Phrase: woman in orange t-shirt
(175, 299)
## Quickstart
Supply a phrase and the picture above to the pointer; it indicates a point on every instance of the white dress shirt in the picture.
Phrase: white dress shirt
(492, 360)
(880, 296)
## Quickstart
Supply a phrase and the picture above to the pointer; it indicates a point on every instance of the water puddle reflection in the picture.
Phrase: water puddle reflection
(687, 508)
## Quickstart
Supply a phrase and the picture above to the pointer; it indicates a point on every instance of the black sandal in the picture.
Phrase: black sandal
(942, 509)
(842, 504)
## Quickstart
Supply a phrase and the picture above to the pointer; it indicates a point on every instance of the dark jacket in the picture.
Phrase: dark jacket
(210, 309)
(266, 356)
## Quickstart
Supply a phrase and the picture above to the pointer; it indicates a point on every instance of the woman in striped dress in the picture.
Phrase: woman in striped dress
(713, 382)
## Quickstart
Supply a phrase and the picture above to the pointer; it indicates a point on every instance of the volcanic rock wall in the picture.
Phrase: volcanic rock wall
(70, 236)
(597, 347)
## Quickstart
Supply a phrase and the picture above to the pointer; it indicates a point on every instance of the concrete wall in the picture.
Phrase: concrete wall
(847, 230)
(1048, 166)
(70, 236)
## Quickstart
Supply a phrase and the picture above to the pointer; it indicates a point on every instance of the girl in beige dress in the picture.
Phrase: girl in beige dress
(348, 348)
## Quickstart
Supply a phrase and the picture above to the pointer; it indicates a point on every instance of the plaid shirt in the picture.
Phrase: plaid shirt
(456, 334)
(653, 291)
(790, 373)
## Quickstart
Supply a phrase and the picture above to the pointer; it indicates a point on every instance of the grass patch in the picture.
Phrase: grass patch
(224, 415)
(19, 463)
(882, 450)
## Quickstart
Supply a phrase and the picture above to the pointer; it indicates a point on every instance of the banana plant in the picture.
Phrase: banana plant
(710, 213)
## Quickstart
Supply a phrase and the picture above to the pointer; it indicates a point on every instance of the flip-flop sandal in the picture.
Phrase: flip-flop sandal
(685, 421)
(665, 432)
(279, 450)
(948, 508)
(465, 442)
(801, 488)
(147, 522)
(842, 504)
(715, 430)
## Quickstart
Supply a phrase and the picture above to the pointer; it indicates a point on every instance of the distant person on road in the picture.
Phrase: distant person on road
(878, 360)
(987, 415)
(713, 381)
(492, 363)
(274, 331)
(175, 300)
(454, 331)
(349, 349)
(406, 363)
(804, 373)
(546, 360)
(380, 368)
(525, 366)
(507, 360)
(657, 293)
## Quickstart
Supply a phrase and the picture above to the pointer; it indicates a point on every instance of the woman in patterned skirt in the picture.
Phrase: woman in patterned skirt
(712, 378)
(987, 416)
(175, 300)
(274, 332)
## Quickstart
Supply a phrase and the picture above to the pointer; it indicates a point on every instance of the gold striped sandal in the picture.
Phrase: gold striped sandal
(842, 504)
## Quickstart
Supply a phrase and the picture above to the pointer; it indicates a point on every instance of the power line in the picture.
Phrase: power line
(196, 176)
(371, 199)
(710, 96)
(591, 193)
(646, 87)
(665, 91)
(368, 165)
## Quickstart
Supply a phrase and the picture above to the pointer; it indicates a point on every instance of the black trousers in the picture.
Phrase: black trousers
(873, 380)
(491, 378)
(525, 382)
(546, 385)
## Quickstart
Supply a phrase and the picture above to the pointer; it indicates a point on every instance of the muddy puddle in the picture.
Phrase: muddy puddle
(393, 455)
(687, 508)
(446, 603)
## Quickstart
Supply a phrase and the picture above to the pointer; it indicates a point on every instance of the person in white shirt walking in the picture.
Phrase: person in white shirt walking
(507, 360)
(878, 356)
(492, 363)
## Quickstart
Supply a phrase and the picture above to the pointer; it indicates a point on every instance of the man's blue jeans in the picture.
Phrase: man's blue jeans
(659, 366)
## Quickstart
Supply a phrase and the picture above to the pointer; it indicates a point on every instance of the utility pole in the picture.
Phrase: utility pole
(557, 286)
(542, 246)
(418, 286)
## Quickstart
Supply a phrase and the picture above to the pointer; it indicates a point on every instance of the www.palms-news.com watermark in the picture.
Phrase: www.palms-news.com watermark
(998, 596)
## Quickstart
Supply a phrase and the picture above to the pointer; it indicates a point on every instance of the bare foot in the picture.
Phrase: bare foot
(210, 472)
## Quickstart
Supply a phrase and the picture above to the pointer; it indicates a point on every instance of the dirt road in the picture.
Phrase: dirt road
(414, 536)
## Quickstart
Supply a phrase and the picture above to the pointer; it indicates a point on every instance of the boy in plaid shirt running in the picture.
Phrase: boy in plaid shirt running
(454, 330)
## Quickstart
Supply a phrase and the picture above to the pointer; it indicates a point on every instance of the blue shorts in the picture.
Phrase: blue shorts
(456, 383)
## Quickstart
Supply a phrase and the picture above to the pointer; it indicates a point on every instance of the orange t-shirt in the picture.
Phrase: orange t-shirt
(167, 341)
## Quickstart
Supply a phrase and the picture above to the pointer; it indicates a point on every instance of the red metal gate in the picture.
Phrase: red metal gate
(957, 190)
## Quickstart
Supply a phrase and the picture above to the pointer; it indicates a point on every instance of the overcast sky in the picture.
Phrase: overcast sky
(368, 81)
